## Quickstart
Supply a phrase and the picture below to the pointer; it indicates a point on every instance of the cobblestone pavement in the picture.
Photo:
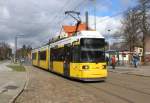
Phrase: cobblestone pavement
(46, 87)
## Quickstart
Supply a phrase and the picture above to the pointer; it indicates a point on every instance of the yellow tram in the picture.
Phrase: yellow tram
(80, 57)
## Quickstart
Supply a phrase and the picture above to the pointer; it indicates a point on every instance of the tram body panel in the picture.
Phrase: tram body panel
(58, 67)
(35, 58)
(43, 58)
(81, 57)
(43, 64)
(88, 70)
(35, 62)
(75, 70)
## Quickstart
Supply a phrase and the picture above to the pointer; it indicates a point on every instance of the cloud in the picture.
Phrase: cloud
(4, 12)
(32, 18)
(106, 23)
(39, 20)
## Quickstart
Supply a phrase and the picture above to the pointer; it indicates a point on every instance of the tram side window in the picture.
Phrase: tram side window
(75, 54)
(58, 54)
(33, 56)
(42, 55)
(52, 54)
(61, 54)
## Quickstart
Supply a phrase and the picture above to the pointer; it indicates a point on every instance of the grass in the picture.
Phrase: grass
(17, 67)
(1, 61)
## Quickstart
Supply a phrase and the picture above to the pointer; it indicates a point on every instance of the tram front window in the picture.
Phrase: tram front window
(92, 56)
(92, 50)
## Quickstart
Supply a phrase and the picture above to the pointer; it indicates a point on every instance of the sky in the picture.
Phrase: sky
(40, 20)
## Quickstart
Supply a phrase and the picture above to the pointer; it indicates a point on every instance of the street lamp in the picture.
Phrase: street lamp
(95, 13)
(94, 1)
(109, 38)
(16, 37)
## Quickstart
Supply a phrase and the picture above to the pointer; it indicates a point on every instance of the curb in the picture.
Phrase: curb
(23, 88)
(137, 75)
(129, 73)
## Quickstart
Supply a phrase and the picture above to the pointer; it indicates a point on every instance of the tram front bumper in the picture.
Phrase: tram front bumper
(94, 73)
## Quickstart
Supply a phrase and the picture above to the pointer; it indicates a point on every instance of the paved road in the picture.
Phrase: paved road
(11, 82)
(3, 67)
(45, 87)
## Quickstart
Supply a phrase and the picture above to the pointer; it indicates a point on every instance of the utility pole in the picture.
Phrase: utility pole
(87, 20)
(109, 38)
(95, 13)
(15, 56)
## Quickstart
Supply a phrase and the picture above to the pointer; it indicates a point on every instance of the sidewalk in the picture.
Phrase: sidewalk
(11, 83)
(139, 71)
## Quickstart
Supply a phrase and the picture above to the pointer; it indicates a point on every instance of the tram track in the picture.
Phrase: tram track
(130, 84)
(112, 94)
(107, 93)
(90, 88)
(136, 90)
(129, 79)
(120, 94)
(111, 91)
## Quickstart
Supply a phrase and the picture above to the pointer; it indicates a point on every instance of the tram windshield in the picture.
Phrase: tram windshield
(92, 50)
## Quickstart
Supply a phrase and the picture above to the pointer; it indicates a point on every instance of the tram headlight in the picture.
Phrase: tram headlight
(104, 66)
(85, 67)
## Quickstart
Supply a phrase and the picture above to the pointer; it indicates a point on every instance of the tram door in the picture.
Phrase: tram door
(51, 59)
(67, 61)
(38, 63)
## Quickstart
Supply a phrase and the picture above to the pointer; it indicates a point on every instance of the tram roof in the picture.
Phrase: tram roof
(40, 48)
(90, 34)
(81, 34)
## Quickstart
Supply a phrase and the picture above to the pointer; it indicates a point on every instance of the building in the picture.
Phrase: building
(72, 29)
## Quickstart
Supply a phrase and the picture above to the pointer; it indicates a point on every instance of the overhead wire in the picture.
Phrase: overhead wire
(74, 8)
(62, 20)
(61, 10)
(57, 15)
(58, 23)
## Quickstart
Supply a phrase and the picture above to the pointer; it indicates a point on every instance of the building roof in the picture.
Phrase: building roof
(71, 29)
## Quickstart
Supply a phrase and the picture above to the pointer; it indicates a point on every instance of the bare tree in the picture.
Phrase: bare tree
(136, 25)
(144, 8)
(24, 51)
(5, 51)
(131, 28)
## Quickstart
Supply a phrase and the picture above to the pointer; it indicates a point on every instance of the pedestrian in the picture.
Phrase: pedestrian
(107, 60)
(113, 62)
(135, 60)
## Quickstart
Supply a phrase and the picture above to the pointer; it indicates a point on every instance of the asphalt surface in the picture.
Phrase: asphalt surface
(11, 83)
(46, 87)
